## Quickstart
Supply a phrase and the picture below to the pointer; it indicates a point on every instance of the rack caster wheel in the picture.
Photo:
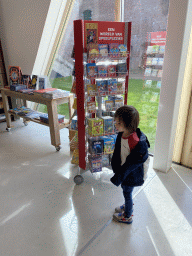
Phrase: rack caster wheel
(8, 129)
(25, 123)
(58, 148)
(78, 179)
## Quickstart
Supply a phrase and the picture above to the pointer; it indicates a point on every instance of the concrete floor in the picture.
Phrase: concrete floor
(43, 212)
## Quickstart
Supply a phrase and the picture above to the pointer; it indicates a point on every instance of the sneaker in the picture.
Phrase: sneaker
(120, 217)
(120, 208)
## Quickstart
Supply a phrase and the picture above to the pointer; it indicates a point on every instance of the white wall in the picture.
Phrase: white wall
(21, 27)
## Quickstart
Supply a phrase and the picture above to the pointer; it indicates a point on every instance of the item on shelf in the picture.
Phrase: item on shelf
(114, 136)
(162, 49)
(95, 126)
(108, 144)
(154, 72)
(91, 70)
(123, 50)
(159, 84)
(109, 105)
(95, 163)
(96, 146)
(26, 80)
(114, 50)
(149, 61)
(155, 49)
(52, 93)
(27, 91)
(111, 69)
(15, 75)
(118, 103)
(93, 50)
(75, 157)
(121, 69)
(107, 124)
(105, 160)
(92, 89)
(17, 87)
(45, 119)
(148, 83)
(103, 50)
(112, 86)
(149, 49)
(102, 71)
(120, 88)
(91, 106)
(147, 71)
(102, 87)
(160, 61)
(74, 125)
(160, 73)
(33, 82)
(154, 61)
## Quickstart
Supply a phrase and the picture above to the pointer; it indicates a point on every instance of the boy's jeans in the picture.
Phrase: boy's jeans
(127, 192)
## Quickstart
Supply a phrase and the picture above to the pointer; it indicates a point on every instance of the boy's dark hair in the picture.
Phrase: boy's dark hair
(129, 116)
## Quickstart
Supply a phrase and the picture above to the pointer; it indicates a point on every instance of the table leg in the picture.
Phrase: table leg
(6, 108)
(53, 123)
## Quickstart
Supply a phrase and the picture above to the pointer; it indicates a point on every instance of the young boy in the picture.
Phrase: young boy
(131, 151)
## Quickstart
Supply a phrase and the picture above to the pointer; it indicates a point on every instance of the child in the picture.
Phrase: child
(131, 151)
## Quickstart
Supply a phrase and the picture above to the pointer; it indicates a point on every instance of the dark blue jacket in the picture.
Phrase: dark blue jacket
(131, 173)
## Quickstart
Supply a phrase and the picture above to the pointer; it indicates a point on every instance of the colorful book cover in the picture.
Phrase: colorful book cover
(95, 163)
(154, 61)
(162, 49)
(155, 49)
(147, 71)
(112, 86)
(93, 51)
(114, 50)
(107, 124)
(42, 82)
(26, 79)
(91, 70)
(91, 106)
(96, 146)
(91, 33)
(149, 49)
(120, 88)
(123, 50)
(159, 84)
(102, 87)
(33, 82)
(121, 69)
(95, 126)
(109, 104)
(118, 103)
(103, 50)
(154, 72)
(111, 70)
(160, 73)
(92, 89)
(102, 71)
(160, 61)
(15, 75)
(149, 61)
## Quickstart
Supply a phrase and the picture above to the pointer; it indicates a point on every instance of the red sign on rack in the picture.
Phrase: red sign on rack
(157, 38)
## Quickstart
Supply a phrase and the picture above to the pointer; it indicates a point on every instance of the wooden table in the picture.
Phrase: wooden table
(53, 124)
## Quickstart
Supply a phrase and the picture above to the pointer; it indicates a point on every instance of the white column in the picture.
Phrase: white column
(178, 34)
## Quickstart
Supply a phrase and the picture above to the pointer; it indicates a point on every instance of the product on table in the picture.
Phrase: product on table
(107, 124)
(123, 50)
(26, 80)
(44, 118)
(42, 82)
(96, 146)
(112, 86)
(108, 144)
(74, 125)
(114, 50)
(95, 163)
(111, 70)
(95, 126)
(103, 50)
(102, 87)
(17, 87)
(33, 82)
(102, 71)
(15, 75)
(91, 70)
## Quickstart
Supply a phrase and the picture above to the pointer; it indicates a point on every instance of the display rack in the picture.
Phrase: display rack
(154, 57)
(104, 33)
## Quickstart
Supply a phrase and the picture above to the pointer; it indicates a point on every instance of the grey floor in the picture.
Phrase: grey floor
(44, 213)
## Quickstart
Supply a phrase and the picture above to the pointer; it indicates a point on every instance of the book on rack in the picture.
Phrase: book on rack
(160, 61)
(160, 72)
(114, 50)
(154, 72)
(111, 70)
(93, 50)
(149, 61)
(154, 61)
(91, 106)
(162, 49)
(102, 87)
(109, 105)
(91, 70)
(103, 50)
(147, 71)
(102, 71)
(155, 49)
(123, 50)
(121, 69)
(112, 86)
(91, 89)
(149, 49)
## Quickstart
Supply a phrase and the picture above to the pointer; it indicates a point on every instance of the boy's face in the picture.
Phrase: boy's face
(119, 125)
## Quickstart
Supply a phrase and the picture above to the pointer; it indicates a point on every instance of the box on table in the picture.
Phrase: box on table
(17, 87)
(15, 75)
(45, 119)
(107, 124)
(95, 126)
